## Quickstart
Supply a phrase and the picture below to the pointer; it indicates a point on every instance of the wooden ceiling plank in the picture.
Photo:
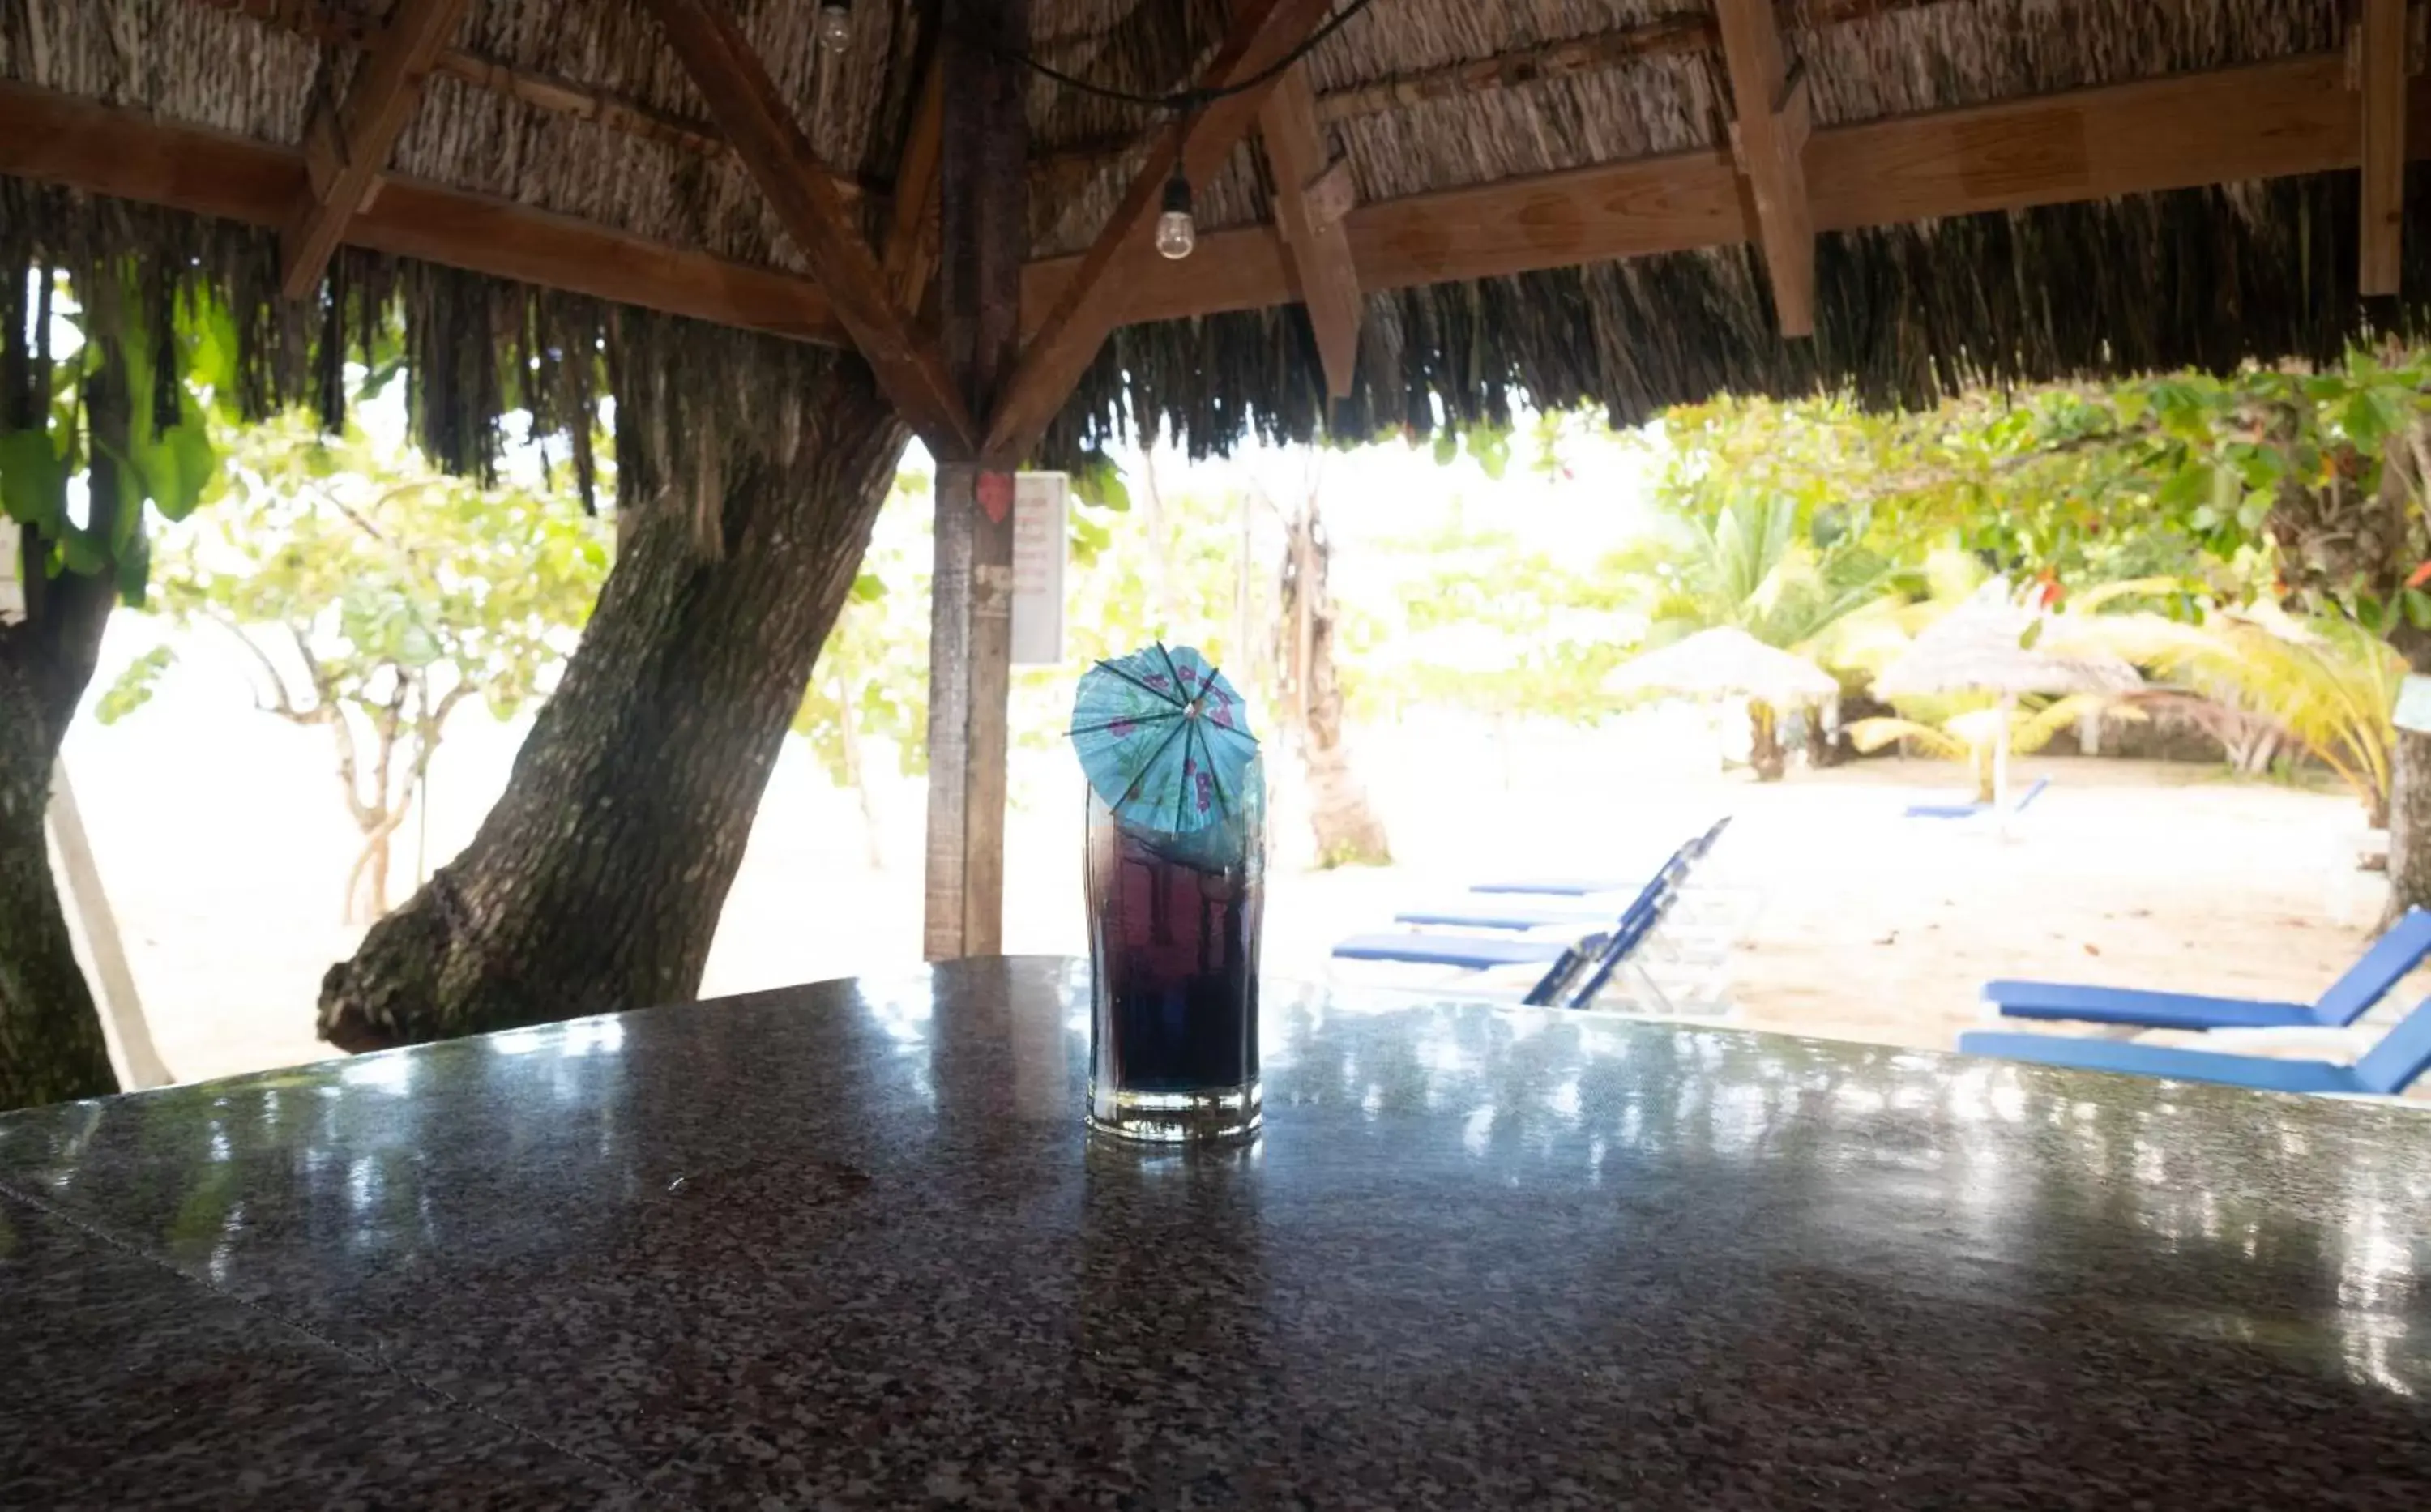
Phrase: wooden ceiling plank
(756, 119)
(1263, 33)
(2383, 145)
(361, 132)
(1770, 135)
(1311, 224)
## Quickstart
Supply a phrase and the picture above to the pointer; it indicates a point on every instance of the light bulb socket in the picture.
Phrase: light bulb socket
(835, 27)
(1177, 234)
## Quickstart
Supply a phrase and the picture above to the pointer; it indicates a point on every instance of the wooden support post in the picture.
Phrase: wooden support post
(2383, 145)
(983, 231)
(756, 118)
(346, 145)
(1311, 221)
(1771, 132)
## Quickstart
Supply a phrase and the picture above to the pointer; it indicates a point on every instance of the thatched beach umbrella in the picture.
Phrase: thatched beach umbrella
(1726, 660)
(1721, 662)
(1992, 644)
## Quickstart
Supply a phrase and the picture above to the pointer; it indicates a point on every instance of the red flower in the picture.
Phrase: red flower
(2420, 575)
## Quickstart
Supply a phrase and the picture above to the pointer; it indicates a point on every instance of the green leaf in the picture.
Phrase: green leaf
(868, 588)
(2188, 487)
(33, 480)
(1447, 447)
(2418, 608)
(134, 687)
(133, 561)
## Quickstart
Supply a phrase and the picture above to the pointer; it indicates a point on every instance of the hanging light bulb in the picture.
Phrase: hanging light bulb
(835, 25)
(1176, 232)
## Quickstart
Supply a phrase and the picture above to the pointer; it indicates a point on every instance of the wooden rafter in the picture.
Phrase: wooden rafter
(347, 144)
(1263, 33)
(762, 126)
(2383, 145)
(911, 230)
(1311, 223)
(2275, 120)
(1770, 135)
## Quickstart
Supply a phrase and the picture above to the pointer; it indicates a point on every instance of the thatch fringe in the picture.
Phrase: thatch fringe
(2204, 279)
(476, 352)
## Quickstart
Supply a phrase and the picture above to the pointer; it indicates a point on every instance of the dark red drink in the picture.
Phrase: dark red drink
(1173, 939)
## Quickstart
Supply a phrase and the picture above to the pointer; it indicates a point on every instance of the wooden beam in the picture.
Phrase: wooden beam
(984, 215)
(2383, 145)
(2269, 121)
(1310, 224)
(1771, 140)
(762, 126)
(911, 233)
(1262, 34)
(61, 139)
(355, 136)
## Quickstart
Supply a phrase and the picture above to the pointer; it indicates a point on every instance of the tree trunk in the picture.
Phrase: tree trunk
(1764, 742)
(51, 1044)
(2409, 824)
(52, 1047)
(1346, 827)
(596, 882)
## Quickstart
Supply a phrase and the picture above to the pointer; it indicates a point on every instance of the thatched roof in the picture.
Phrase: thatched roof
(578, 106)
(1722, 661)
(1992, 644)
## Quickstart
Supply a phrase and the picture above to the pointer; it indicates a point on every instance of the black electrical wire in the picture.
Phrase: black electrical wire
(1184, 101)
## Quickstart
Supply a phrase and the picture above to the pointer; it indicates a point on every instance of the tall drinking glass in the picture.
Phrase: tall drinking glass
(1173, 946)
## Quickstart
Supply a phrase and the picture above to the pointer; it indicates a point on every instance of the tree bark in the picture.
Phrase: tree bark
(1346, 830)
(1764, 742)
(52, 1047)
(596, 882)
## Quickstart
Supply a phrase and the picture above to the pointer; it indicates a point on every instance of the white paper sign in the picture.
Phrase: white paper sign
(1040, 544)
(2413, 705)
(12, 592)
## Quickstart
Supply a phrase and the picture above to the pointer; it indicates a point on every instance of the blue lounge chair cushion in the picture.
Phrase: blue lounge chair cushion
(1508, 919)
(1968, 811)
(1480, 952)
(2400, 949)
(2129, 1005)
(2403, 1054)
(2259, 1072)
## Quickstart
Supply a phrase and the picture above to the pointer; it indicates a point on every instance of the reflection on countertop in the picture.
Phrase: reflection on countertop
(849, 1242)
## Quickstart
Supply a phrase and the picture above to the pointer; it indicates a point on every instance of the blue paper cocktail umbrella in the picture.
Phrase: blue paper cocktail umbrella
(1164, 740)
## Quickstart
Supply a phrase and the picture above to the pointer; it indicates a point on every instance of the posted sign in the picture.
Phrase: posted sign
(1041, 535)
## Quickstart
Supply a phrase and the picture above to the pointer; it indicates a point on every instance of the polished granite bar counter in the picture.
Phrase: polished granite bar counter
(848, 1246)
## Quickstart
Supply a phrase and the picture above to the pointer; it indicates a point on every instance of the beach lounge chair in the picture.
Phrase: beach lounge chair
(2386, 1069)
(1968, 811)
(1478, 952)
(1695, 850)
(2399, 950)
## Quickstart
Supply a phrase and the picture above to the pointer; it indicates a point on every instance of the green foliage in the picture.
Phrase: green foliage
(1484, 621)
(374, 595)
(1755, 561)
(872, 677)
(165, 459)
(2326, 683)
